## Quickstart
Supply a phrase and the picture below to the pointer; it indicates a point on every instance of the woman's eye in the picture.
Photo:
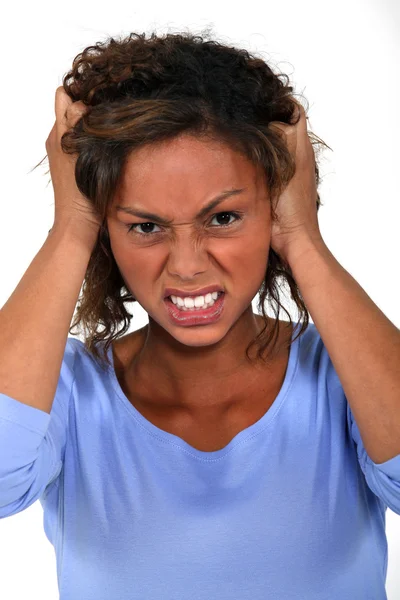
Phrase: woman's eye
(147, 228)
(224, 215)
(134, 227)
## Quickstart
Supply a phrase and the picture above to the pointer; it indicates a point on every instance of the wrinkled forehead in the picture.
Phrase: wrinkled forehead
(185, 172)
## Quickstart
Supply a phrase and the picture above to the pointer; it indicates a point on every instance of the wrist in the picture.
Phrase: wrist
(303, 246)
(80, 233)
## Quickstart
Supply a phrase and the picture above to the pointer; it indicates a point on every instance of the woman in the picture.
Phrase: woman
(211, 453)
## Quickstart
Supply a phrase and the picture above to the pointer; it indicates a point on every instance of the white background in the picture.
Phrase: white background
(343, 56)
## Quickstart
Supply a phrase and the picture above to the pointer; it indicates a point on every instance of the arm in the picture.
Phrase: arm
(363, 344)
(35, 320)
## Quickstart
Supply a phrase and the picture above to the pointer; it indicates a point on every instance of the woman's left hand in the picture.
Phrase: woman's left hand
(297, 205)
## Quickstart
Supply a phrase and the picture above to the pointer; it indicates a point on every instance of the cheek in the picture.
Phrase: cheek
(255, 257)
(140, 269)
(135, 266)
(252, 251)
(246, 267)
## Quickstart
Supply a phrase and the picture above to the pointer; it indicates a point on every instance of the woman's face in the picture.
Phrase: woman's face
(175, 180)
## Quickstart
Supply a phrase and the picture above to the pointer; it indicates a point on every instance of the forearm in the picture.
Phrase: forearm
(35, 320)
(362, 342)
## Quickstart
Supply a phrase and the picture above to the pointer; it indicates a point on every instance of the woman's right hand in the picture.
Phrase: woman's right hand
(72, 209)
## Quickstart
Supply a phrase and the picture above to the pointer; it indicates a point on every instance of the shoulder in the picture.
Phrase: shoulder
(126, 347)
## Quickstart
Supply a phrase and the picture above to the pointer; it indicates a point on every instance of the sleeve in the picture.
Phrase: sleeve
(382, 478)
(32, 442)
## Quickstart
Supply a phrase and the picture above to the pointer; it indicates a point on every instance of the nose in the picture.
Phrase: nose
(187, 257)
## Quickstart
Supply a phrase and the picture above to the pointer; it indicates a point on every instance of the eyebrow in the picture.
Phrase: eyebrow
(206, 209)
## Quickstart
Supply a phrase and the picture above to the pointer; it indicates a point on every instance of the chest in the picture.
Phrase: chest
(211, 429)
(213, 433)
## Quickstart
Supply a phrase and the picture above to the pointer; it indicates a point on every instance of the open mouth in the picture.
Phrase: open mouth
(202, 315)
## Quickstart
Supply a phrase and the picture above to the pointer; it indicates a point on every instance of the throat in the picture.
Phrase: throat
(214, 395)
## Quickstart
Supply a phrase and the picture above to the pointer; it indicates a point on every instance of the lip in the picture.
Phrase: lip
(187, 293)
(189, 318)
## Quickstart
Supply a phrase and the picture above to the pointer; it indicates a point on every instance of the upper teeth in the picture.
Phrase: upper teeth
(197, 301)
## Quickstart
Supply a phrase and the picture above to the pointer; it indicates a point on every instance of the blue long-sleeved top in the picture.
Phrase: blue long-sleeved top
(292, 508)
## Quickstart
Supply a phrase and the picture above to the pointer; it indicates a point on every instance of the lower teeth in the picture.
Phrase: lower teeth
(195, 307)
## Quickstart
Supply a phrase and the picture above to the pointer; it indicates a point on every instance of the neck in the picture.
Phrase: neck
(170, 373)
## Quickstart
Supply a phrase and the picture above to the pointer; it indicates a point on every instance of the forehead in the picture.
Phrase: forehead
(185, 168)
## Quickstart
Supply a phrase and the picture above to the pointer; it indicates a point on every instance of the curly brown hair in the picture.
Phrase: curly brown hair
(142, 90)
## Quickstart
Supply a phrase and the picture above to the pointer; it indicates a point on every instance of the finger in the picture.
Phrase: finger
(287, 133)
(67, 111)
(302, 124)
(281, 129)
(62, 101)
(75, 111)
(286, 127)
